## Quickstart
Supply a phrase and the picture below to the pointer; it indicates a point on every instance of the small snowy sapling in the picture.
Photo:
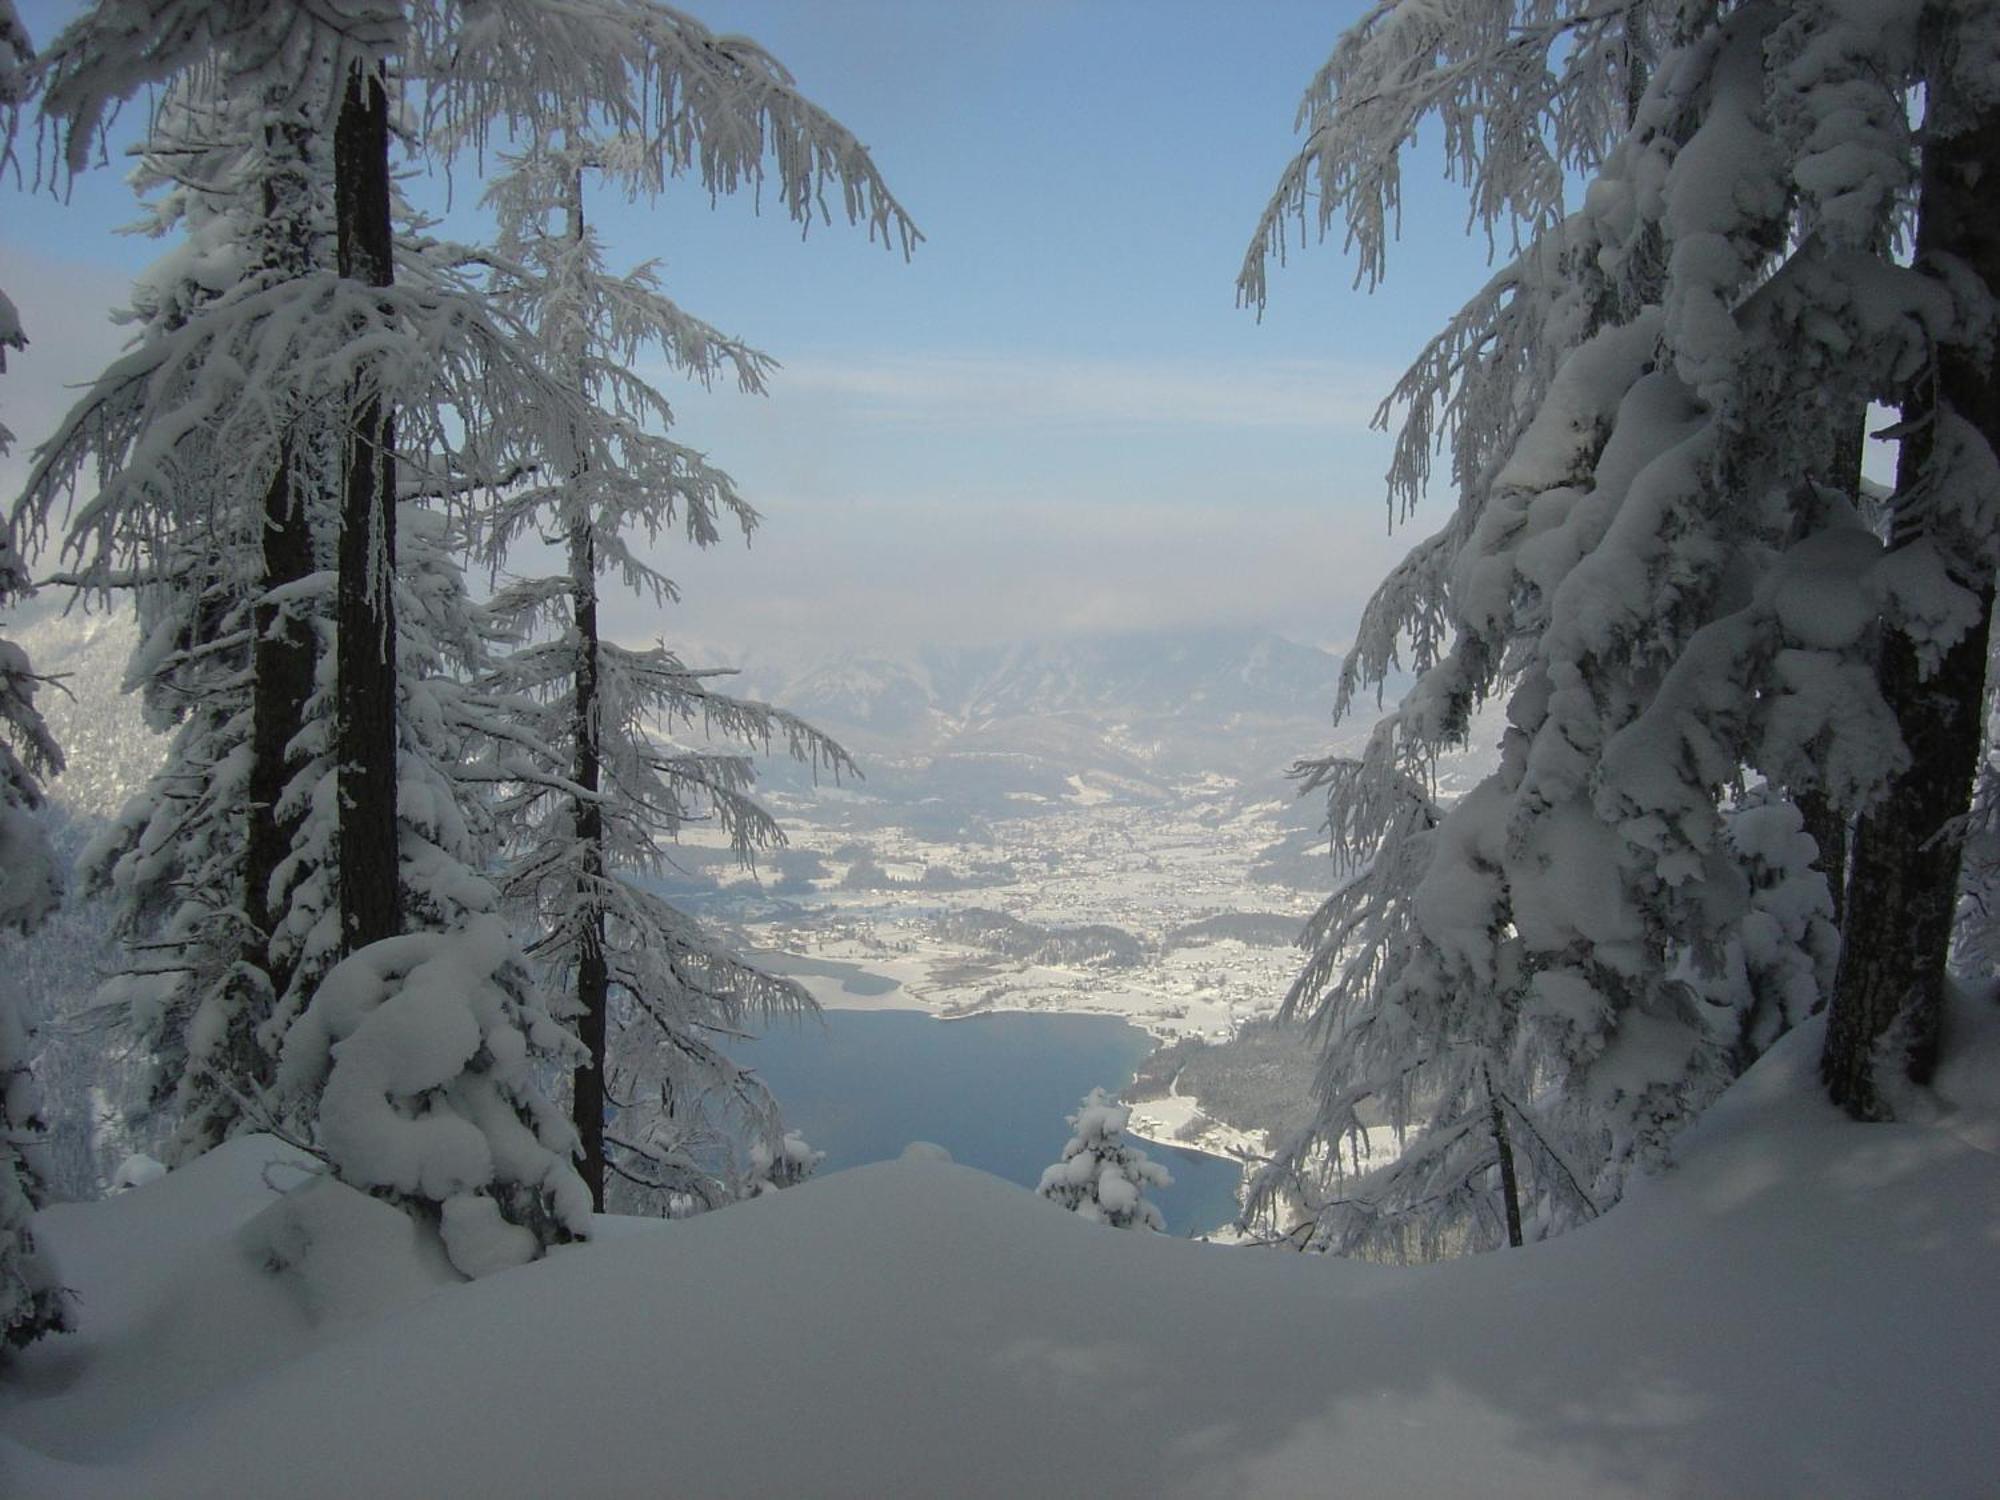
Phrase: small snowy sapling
(1102, 1177)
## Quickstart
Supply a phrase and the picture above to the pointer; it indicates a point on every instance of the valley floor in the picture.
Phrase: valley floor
(1801, 1307)
(1149, 869)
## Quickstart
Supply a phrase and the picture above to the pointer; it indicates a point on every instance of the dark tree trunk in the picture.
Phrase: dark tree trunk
(365, 705)
(282, 655)
(593, 976)
(1503, 1145)
(281, 672)
(1888, 996)
(1828, 826)
(1823, 820)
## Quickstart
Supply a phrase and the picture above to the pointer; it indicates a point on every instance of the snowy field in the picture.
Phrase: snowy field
(1802, 1307)
(1147, 868)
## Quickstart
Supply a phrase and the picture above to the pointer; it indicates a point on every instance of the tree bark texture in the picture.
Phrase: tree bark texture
(1888, 996)
(1828, 826)
(283, 653)
(1503, 1145)
(593, 975)
(365, 737)
(282, 661)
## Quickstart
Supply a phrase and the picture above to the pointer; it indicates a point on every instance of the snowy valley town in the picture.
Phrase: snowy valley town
(1004, 748)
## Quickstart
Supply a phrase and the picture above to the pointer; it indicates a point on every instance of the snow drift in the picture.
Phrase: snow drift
(1802, 1306)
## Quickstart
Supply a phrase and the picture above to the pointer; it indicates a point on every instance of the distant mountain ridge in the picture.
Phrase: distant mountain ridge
(991, 728)
(1183, 700)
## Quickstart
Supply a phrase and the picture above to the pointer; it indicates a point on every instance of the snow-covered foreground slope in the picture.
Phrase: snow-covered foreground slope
(1802, 1307)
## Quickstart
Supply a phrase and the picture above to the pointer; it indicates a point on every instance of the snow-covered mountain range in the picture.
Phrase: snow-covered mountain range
(1135, 708)
(1118, 715)
(1213, 677)
(1143, 706)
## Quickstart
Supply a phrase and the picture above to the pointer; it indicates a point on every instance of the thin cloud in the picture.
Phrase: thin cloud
(889, 574)
(941, 390)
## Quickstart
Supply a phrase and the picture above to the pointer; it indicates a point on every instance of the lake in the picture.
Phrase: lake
(992, 1090)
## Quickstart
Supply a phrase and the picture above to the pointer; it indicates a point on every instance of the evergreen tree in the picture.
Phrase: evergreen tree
(32, 1300)
(420, 1053)
(1424, 1030)
(222, 659)
(341, 387)
(294, 372)
(651, 993)
(217, 442)
(1101, 1176)
(1885, 1029)
(1675, 587)
(787, 1164)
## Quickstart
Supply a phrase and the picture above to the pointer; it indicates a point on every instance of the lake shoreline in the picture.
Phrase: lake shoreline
(866, 1082)
(865, 988)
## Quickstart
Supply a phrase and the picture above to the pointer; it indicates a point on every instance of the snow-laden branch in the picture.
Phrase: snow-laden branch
(1523, 91)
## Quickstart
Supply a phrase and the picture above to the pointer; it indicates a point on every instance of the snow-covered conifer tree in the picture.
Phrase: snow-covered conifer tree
(217, 442)
(276, 369)
(458, 996)
(1398, 1031)
(787, 1164)
(651, 994)
(1936, 584)
(1102, 1176)
(32, 1301)
(1665, 569)
(221, 659)
(415, 385)
(604, 936)
(30, 878)
(420, 1053)
(30, 883)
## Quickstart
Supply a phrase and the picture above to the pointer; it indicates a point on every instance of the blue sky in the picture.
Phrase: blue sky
(1054, 417)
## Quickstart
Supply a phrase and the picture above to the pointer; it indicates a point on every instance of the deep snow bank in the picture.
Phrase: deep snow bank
(1803, 1307)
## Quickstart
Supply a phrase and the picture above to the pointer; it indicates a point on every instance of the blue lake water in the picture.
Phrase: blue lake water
(992, 1090)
